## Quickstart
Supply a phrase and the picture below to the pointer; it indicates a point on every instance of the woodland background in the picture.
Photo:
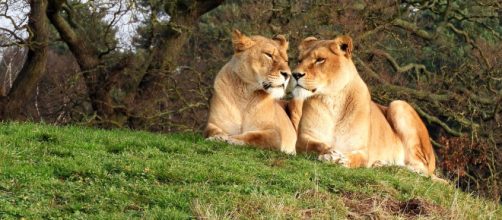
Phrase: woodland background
(76, 62)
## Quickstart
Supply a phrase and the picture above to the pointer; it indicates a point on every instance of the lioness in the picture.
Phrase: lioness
(341, 122)
(245, 108)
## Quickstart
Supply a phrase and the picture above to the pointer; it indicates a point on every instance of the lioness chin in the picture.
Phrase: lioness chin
(245, 108)
(342, 124)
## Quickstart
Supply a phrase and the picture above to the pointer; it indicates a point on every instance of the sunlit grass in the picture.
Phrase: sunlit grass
(81, 173)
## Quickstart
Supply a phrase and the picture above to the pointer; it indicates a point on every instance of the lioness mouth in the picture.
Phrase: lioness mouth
(313, 90)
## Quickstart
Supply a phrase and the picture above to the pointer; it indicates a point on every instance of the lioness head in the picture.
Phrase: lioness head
(324, 66)
(261, 62)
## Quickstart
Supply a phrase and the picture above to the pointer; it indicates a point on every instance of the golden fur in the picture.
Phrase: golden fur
(342, 124)
(245, 108)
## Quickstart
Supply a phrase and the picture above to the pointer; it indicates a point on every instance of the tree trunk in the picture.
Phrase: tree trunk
(181, 25)
(34, 68)
(98, 79)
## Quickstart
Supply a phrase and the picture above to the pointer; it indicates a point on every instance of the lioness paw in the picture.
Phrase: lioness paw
(227, 139)
(379, 163)
(290, 151)
(234, 141)
(217, 138)
(335, 157)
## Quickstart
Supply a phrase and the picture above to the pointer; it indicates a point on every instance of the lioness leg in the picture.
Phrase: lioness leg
(214, 133)
(357, 158)
(212, 130)
(419, 155)
(351, 159)
(307, 143)
(266, 139)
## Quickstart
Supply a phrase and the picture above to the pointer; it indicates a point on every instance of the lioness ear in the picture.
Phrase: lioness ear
(240, 41)
(344, 44)
(282, 40)
(306, 43)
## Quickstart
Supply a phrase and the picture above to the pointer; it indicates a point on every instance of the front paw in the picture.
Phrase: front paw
(379, 163)
(225, 138)
(218, 137)
(335, 157)
(231, 140)
(289, 150)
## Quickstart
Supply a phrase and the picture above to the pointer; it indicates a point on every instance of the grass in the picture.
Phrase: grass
(82, 173)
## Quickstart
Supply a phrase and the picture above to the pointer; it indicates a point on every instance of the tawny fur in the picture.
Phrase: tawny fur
(341, 123)
(245, 108)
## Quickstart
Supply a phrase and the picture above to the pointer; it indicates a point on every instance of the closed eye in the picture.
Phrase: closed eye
(320, 60)
(268, 55)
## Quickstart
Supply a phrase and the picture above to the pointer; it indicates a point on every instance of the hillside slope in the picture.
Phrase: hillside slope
(81, 173)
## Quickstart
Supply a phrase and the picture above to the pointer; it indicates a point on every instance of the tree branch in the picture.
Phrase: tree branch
(86, 54)
(408, 26)
(433, 119)
(402, 69)
(470, 41)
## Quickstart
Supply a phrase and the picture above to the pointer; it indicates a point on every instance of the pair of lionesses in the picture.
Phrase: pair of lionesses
(331, 113)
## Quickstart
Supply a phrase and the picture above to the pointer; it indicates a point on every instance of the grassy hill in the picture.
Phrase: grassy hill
(82, 173)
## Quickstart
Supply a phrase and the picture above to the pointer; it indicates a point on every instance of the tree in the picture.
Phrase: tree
(33, 69)
(165, 45)
(101, 77)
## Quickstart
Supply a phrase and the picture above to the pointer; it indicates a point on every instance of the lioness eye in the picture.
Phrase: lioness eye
(268, 55)
(320, 60)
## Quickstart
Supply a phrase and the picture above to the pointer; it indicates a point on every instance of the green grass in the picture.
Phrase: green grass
(82, 173)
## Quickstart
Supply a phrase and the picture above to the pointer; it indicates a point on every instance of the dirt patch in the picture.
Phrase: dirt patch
(364, 207)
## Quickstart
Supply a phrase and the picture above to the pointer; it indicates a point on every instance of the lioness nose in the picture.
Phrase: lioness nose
(297, 75)
(285, 75)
